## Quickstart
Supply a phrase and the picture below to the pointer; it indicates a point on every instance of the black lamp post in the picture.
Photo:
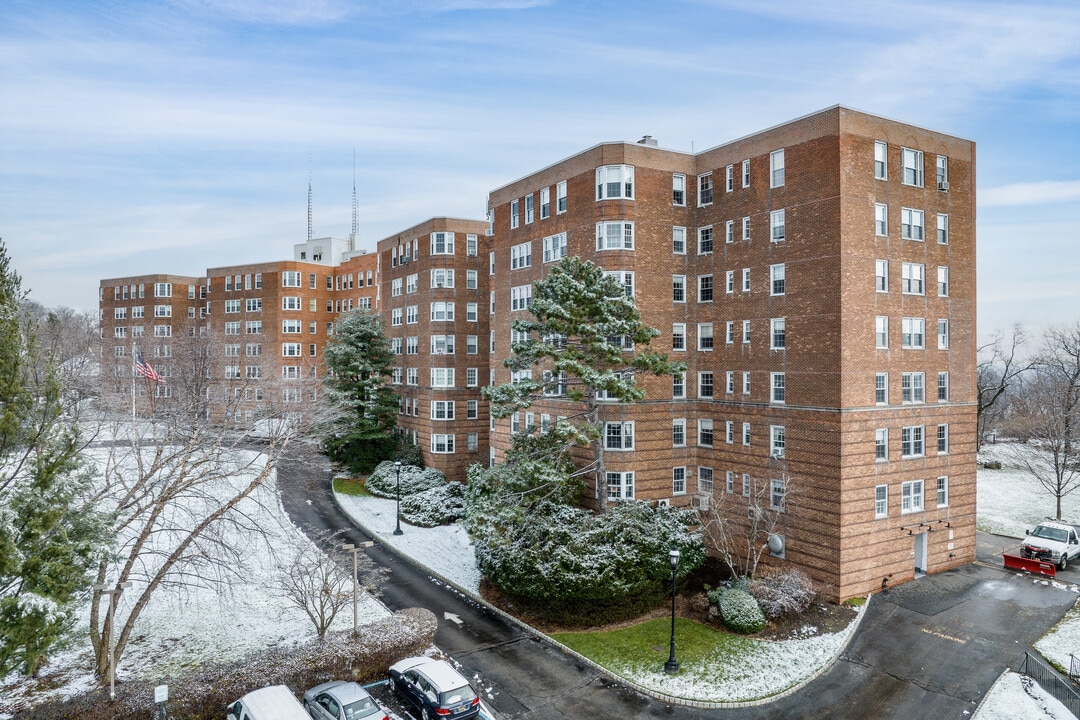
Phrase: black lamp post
(672, 665)
(397, 466)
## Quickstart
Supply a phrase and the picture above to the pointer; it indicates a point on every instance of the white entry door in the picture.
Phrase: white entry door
(920, 554)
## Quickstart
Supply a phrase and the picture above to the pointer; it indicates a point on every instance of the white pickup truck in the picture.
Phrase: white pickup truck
(1052, 541)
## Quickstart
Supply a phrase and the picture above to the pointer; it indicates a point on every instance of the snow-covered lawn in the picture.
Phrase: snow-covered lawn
(764, 669)
(184, 627)
(1018, 697)
(1010, 500)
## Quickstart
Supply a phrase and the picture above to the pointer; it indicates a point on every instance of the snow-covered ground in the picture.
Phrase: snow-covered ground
(765, 668)
(1010, 500)
(1018, 697)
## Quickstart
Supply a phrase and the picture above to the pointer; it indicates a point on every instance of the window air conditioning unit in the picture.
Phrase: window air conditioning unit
(778, 453)
(943, 186)
(699, 502)
(663, 503)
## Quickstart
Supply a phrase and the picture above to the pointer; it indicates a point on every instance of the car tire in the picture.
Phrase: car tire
(1064, 562)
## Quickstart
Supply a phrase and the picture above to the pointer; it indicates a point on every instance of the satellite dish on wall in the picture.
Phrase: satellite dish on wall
(776, 545)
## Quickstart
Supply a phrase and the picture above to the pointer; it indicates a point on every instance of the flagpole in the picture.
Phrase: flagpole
(134, 375)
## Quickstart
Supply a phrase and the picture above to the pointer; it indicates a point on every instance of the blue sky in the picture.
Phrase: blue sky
(172, 136)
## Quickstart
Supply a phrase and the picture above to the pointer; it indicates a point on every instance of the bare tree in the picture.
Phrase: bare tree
(998, 371)
(320, 583)
(1048, 410)
(739, 527)
(182, 470)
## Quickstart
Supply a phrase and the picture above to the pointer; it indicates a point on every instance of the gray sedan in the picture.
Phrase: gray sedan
(340, 700)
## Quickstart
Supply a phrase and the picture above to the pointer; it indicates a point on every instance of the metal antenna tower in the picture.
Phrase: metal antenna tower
(355, 207)
(309, 206)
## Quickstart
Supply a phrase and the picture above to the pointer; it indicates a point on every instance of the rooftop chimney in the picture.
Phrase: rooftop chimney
(647, 140)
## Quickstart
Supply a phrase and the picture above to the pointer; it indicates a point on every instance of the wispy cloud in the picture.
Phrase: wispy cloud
(1047, 192)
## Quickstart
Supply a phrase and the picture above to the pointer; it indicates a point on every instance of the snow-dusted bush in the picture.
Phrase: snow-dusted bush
(579, 567)
(741, 612)
(203, 695)
(383, 482)
(782, 591)
(437, 506)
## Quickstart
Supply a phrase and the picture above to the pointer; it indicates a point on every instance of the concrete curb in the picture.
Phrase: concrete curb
(616, 679)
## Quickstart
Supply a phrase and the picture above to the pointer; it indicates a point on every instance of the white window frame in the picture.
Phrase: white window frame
(881, 502)
(942, 229)
(619, 436)
(678, 189)
(777, 388)
(881, 219)
(943, 281)
(705, 189)
(622, 239)
(777, 333)
(545, 203)
(911, 164)
(778, 279)
(913, 276)
(620, 485)
(912, 497)
(555, 247)
(913, 333)
(777, 441)
(678, 337)
(881, 160)
(777, 225)
(706, 290)
(705, 339)
(678, 288)
(912, 441)
(678, 432)
(706, 241)
(442, 443)
(881, 276)
(615, 182)
(442, 243)
(776, 168)
(521, 256)
(881, 445)
(881, 389)
(912, 224)
(705, 437)
(881, 332)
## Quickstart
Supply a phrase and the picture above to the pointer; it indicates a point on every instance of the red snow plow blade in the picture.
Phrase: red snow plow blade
(1039, 567)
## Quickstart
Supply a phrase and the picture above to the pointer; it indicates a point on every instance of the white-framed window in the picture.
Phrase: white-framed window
(705, 240)
(560, 197)
(678, 480)
(471, 246)
(615, 235)
(441, 377)
(746, 382)
(442, 409)
(911, 496)
(705, 288)
(442, 344)
(776, 168)
(729, 332)
(881, 501)
(163, 331)
(914, 277)
(678, 189)
(729, 178)
(943, 334)
(778, 225)
(442, 444)
(521, 256)
(625, 278)
(746, 332)
(746, 280)
(412, 283)
(777, 440)
(231, 328)
(729, 281)
(911, 441)
(746, 173)
(491, 304)
(290, 327)
(778, 385)
(678, 288)
(618, 436)
(705, 336)
(705, 480)
(491, 263)
(943, 491)
(678, 336)
(777, 492)
(729, 384)
(472, 376)
(615, 182)
(412, 376)
(253, 349)
(395, 316)
(777, 334)
(746, 228)
(678, 386)
(881, 444)
(620, 485)
(942, 229)
(705, 432)
(881, 276)
(704, 189)
(515, 213)
(442, 243)
(678, 240)
(881, 160)
(231, 306)
(395, 379)
(746, 433)
(137, 312)
(678, 432)
(729, 482)
(729, 432)
(881, 219)
(881, 389)
(254, 305)
(442, 277)
(881, 332)
(545, 202)
(554, 247)
(442, 311)
(913, 387)
(943, 439)
(472, 313)
(119, 332)
(912, 224)
(412, 313)
(942, 172)
(943, 387)
(777, 279)
(520, 297)
(913, 333)
(395, 346)
(253, 327)
(290, 350)
(912, 167)
(942, 281)
(729, 232)
(705, 384)
(165, 289)
(290, 302)
(530, 209)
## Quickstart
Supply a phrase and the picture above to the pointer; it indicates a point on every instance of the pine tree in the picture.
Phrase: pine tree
(358, 363)
(586, 339)
(48, 539)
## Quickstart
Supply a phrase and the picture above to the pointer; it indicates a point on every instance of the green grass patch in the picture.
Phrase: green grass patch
(855, 602)
(639, 646)
(350, 486)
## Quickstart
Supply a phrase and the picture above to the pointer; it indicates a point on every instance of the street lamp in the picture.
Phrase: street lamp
(355, 550)
(113, 594)
(672, 665)
(397, 466)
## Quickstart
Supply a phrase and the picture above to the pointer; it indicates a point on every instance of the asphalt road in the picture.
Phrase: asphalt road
(927, 649)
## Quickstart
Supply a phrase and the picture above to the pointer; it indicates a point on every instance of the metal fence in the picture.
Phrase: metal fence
(1062, 690)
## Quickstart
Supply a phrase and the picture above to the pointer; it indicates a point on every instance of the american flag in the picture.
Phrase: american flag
(143, 368)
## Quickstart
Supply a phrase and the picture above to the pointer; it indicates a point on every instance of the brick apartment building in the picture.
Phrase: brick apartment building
(818, 278)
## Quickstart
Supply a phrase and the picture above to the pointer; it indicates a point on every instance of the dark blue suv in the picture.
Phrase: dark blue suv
(435, 688)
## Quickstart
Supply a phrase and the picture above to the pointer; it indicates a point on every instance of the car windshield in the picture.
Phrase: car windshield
(360, 709)
(1049, 533)
(458, 695)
